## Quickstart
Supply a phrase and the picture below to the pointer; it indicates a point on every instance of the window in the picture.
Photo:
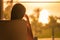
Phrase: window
(43, 16)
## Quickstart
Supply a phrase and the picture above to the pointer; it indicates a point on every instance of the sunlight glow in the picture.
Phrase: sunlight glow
(43, 17)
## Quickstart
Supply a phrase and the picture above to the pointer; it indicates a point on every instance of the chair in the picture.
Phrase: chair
(13, 30)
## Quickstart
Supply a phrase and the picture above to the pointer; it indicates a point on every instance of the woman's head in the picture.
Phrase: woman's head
(18, 11)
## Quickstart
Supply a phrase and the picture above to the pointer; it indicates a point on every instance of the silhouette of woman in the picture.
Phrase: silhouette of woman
(18, 12)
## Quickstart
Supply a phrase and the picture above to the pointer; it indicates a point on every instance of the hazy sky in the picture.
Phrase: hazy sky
(53, 8)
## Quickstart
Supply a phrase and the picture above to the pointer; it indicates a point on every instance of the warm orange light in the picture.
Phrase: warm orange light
(39, 0)
(43, 17)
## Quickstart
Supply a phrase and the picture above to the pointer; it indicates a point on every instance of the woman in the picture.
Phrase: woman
(17, 13)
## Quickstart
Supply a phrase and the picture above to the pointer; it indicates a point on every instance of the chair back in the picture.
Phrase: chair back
(13, 30)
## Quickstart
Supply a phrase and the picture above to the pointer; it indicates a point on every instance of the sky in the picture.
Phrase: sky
(53, 8)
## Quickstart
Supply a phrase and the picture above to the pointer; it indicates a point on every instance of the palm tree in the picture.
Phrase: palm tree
(53, 24)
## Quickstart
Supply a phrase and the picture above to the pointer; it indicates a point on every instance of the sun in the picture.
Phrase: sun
(43, 17)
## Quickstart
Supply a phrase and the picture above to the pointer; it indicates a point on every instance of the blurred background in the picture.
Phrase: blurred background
(44, 16)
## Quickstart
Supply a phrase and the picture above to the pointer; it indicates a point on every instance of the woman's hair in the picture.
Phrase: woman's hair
(18, 11)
